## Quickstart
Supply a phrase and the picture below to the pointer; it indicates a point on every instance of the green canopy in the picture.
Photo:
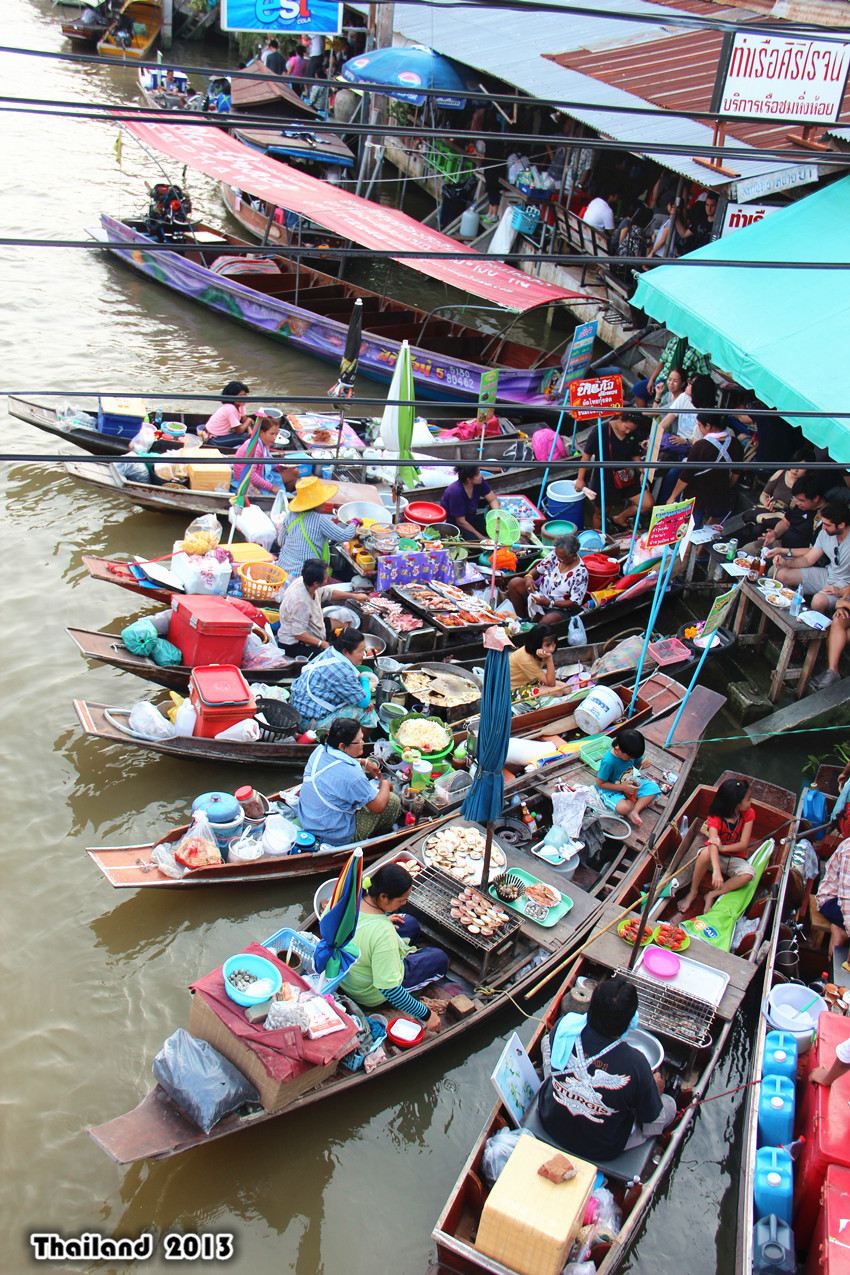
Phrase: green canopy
(781, 333)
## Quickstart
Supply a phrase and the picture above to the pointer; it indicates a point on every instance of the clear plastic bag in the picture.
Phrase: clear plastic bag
(146, 720)
(198, 848)
(163, 857)
(279, 835)
(202, 534)
(497, 1151)
(199, 1081)
(245, 732)
(568, 808)
(142, 442)
(576, 634)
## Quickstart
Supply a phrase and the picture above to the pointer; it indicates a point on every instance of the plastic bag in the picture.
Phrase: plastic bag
(142, 442)
(198, 848)
(201, 535)
(161, 621)
(199, 1081)
(147, 721)
(135, 471)
(203, 575)
(140, 637)
(497, 1152)
(576, 635)
(165, 654)
(278, 835)
(163, 857)
(279, 510)
(245, 732)
(568, 808)
(254, 524)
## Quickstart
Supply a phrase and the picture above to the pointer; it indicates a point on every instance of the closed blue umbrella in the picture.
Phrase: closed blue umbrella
(339, 920)
(404, 70)
(485, 798)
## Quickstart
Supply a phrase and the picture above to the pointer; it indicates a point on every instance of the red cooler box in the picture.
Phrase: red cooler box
(207, 629)
(829, 1251)
(824, 1120)
(220, 696)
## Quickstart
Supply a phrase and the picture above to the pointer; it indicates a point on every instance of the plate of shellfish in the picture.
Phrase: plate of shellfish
(459, 850)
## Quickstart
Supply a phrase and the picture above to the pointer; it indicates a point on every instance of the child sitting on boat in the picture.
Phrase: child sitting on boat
(625, 796)
(726, 839)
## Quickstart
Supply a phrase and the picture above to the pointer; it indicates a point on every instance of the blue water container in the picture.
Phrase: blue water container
(563, 501)
(226, 817)
(774, 1186)
(780, 1055)
(773, 1247)
(776, 1112)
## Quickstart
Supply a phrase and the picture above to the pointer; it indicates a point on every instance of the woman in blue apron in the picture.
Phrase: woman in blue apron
(331, 686)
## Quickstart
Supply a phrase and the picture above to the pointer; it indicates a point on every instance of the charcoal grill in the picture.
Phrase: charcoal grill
(432, 896)
(677, 1015)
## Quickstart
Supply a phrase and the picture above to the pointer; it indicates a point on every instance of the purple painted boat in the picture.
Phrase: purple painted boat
(310, 310)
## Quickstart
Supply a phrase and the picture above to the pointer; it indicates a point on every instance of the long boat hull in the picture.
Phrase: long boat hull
(293, 322)
(147, 16)
(456, 1227)
(155, 1129)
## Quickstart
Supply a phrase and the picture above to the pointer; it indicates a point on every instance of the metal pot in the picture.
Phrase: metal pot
(387, 690)
(648, 1045)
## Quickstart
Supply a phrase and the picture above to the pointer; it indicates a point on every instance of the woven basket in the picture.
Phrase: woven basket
(261, 580)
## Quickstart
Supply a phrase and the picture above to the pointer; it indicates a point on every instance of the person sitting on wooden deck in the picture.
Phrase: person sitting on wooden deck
(625, 796)
(389, 968)
(601, 1097)
(824, 569)
(727, 835)
(533, 661)
(228, 424)
(833, 895)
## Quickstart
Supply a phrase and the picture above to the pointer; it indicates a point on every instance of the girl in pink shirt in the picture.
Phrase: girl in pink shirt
(228, 424)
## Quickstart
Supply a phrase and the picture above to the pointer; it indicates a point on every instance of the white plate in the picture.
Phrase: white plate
(778, 600)
(815, 619)
(732, 569)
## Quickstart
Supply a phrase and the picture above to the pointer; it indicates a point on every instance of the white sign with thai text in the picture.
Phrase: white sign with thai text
(782, 78)
(737, 216)
(786, 178)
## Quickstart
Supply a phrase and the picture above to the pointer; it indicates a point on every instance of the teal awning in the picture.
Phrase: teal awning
(783, 333)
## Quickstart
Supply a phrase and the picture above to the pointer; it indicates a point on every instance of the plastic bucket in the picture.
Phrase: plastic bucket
(420, 775)
(555, 528)
(797, 997)
(601, 570)
(563, 501)
(598, 710)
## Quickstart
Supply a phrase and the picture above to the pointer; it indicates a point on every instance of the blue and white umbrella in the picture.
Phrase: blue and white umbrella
(404, 70)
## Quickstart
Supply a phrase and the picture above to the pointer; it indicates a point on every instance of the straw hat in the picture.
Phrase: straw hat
(310, 493)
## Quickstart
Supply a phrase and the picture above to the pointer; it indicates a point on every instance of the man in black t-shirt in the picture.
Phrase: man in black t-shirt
(601, 1096)
(621, 441)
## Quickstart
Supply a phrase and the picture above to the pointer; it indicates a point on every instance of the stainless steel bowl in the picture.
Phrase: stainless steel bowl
(648, 1045)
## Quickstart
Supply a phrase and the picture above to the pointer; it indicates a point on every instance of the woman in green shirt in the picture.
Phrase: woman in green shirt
(388, 965)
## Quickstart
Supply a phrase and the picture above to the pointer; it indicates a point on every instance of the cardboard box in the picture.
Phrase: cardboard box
(209, 477)
(528, 1223)
(274, 1094)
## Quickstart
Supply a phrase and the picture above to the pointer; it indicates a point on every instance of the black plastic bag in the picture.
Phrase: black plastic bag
(200, 1081)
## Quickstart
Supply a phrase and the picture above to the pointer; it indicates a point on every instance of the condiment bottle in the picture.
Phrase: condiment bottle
(251, 802)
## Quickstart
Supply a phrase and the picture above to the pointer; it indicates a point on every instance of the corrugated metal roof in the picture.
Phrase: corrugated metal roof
(518, 48)
(842, 134)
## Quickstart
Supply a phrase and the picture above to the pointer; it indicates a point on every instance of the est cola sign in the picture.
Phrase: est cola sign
(294, 16)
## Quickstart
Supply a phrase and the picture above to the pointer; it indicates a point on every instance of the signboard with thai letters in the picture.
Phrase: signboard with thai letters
(780, 78)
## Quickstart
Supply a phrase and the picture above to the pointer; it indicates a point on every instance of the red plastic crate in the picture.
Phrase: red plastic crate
(207, 629)
(824, 1119)
(221, 697)
(829, 1251)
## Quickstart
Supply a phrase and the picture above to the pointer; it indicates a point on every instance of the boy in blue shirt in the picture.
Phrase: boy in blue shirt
(625, 796)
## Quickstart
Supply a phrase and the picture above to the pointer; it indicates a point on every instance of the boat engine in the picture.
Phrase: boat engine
(169, 214)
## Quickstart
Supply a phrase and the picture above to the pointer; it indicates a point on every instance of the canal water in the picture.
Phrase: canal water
(94, 980)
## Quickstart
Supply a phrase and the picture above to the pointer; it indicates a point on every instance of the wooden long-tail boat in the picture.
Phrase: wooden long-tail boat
(273, 98)
(155, 1129)
(693, 1042)
(310, 310)
(142, 21)
(89, 25)
(269, 224)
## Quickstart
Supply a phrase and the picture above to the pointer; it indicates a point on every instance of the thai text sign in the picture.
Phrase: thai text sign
(717, 614)
(599, 396)
(736, 216)
(316, 16)
(780, 78)
(667, 523)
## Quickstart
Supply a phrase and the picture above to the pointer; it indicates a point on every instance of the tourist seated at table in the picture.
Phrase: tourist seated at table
(389, 968)
(599, 213)
(266, 479)
(711, 488)
(794, 527)
(619, 782)
(836, 641)
(228, 424)
(343, 797)
(601, 1097)
(461, 501)
(724, 841)
(621, 441)
(533, 661)
(833, 896)
(554, 588)
(331, 686)
(310, 528)
(302, 621)
(824, 569)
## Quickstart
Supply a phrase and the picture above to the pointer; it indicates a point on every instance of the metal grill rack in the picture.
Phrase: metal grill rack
(432, 895)
(677, 1015)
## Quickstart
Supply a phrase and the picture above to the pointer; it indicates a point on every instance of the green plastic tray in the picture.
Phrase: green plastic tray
(553, 916)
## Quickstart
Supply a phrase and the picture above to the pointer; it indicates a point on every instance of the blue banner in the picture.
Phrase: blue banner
(295, 16)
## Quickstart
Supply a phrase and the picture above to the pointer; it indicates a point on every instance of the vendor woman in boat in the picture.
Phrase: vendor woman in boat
(462, 499)
(553, 589)
(343, 797)
(310, 528)
(389, 968)
(265, 479)
(302, 621)
(330, 686)
(228, 424)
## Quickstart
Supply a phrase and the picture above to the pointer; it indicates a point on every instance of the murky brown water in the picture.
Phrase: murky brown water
(94, 980)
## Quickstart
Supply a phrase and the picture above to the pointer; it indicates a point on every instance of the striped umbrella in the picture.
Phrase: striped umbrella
(339, 921)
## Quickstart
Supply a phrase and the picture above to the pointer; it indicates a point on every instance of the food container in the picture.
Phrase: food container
(361, 510)
(552, 531)
(374, 645)
(207, 629)
(425, 513)
(221, 697)
(271, 977)
(661, 962)
(404, 1033)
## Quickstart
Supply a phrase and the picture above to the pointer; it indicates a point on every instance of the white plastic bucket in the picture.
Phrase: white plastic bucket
(322, 897)
(797, 997)
(522, 752)
(598, 710)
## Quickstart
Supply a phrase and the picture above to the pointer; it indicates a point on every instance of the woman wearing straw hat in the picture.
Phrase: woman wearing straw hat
(309, 528)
